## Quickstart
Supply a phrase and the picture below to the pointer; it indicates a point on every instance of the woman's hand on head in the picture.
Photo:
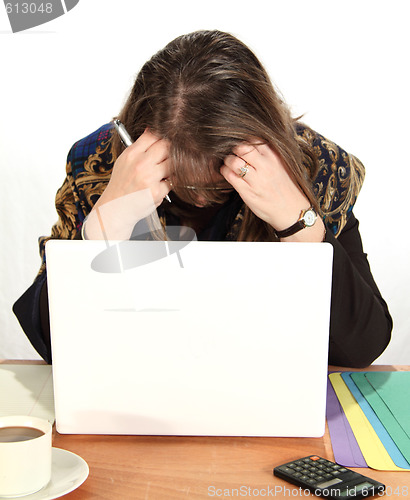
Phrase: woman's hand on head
(136, 187)
(267, 188)
(143, 165)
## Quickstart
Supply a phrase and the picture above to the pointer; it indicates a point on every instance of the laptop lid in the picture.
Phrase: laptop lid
(210, 338)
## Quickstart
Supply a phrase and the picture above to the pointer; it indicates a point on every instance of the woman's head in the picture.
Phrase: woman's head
(206, 92)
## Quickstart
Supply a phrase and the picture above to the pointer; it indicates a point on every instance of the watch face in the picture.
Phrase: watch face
(309, 217)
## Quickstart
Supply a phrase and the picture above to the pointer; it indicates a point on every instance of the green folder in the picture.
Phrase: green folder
(388, 393)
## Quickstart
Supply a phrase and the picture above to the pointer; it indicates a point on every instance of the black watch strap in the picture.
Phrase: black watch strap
(297, 226)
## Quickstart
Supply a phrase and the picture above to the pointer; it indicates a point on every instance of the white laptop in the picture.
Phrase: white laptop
(217, 338)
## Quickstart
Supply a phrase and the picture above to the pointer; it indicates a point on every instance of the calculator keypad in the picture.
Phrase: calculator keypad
(316, 471)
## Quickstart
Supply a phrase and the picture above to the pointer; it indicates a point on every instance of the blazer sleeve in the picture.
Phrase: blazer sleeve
(360, 323)
(88, 169)
(31, 309)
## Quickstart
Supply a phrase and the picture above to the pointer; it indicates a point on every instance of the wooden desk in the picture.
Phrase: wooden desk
(140, 467)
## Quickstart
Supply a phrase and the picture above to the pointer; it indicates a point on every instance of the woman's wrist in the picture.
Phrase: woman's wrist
(116, 219)
(315, 233)
(103, 225)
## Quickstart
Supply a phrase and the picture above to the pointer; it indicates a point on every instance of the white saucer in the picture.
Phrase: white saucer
(68, 472)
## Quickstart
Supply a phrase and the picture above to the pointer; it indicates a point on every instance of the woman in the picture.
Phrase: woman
(213, 136)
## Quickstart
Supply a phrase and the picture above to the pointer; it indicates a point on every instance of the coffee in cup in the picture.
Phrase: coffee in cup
(13, 434)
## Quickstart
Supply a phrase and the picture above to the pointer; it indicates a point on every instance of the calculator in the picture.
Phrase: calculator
(328, 479)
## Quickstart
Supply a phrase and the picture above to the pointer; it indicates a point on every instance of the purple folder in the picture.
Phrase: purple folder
(344, 444)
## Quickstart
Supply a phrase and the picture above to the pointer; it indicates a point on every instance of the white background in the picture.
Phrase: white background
(343, 64)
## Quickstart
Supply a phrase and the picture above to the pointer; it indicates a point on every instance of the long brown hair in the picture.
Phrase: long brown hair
(206, 92)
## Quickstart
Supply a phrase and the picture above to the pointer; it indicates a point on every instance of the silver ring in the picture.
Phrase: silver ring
(243, 170)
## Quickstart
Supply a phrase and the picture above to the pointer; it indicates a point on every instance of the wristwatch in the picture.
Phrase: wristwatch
(307, 219)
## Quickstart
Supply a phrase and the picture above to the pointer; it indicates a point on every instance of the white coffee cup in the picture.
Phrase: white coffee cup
(25, 455)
